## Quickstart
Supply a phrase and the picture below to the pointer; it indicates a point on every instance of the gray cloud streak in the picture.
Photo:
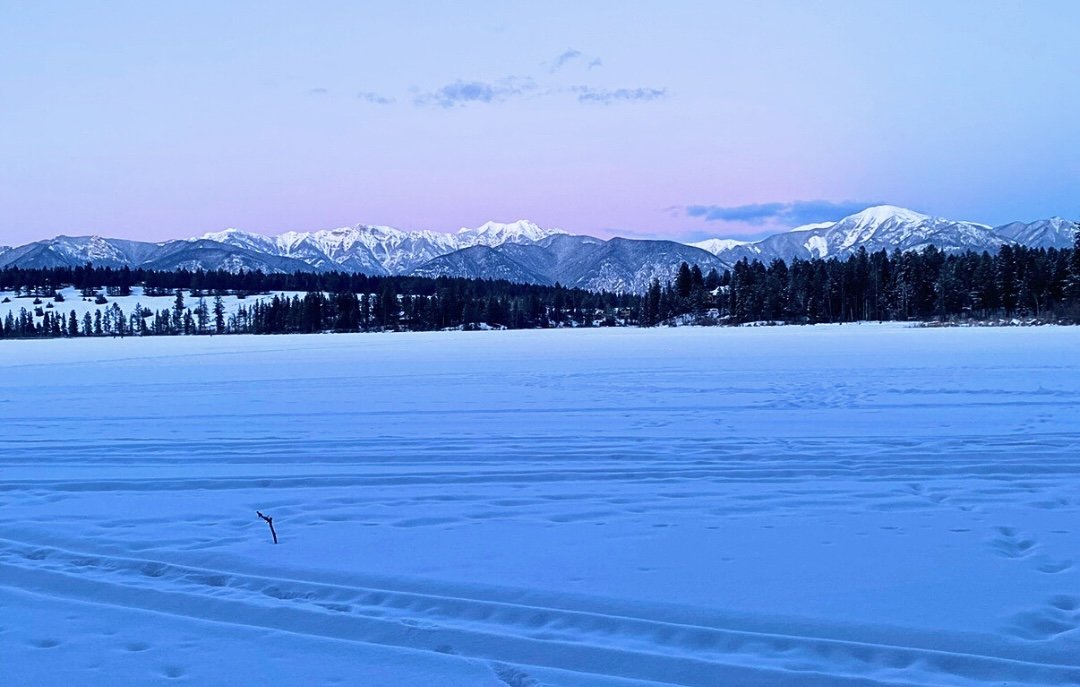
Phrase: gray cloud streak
(604, 96)
(374, 98)
(791, 213)
(460, 93)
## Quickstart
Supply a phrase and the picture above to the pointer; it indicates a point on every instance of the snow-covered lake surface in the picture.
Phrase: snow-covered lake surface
(855, 505)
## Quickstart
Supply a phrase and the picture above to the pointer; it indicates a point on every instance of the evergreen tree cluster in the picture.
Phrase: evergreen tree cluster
(1029, 284)
(336, 302)
(1015, 283)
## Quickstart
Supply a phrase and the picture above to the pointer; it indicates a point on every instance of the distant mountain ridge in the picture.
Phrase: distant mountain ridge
(1045, 233)
(524, 252)
(883, 227)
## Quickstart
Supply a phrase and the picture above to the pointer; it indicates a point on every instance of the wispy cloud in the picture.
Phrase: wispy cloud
(573, 56)
(374, 98)
(792, 214)
(606, 96)
(466, 92)
(560, 60)
(460, 93)
(681, 235)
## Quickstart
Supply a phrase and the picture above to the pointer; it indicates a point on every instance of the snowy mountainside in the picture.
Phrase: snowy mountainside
(618, 265)
(1044, 233)
(241, 239)
(394, 250)
(482, 262)
(530, 263)
(883, 227)
(629, 266)
(71, 251)
(890, 227)
(379, 249)
(373, 250)
(210, 255)
(717, 246)
(525, 251)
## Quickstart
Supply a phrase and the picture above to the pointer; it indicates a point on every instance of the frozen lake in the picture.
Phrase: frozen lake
(846, 505)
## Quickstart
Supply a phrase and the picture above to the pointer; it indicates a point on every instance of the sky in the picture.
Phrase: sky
(678, 120)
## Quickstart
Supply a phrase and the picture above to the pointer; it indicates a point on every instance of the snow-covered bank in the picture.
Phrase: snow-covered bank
(773, 506)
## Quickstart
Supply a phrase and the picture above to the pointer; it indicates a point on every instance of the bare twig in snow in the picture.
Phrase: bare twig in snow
(269, 521)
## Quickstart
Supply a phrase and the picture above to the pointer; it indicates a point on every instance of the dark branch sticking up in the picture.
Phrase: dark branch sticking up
(269, 521)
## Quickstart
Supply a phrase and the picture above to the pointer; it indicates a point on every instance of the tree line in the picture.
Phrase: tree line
(1016, 283)
(336, 302)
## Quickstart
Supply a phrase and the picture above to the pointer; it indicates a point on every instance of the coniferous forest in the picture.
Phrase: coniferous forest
(1015, 285)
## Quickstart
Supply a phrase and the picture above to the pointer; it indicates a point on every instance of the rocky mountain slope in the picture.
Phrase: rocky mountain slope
(525, 252)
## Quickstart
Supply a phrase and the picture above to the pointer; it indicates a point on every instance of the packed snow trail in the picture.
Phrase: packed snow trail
(856, 505)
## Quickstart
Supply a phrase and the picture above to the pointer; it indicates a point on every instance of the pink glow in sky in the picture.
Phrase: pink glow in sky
(154, 121)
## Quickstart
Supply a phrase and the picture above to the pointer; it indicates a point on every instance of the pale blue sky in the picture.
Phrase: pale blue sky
(154, 120)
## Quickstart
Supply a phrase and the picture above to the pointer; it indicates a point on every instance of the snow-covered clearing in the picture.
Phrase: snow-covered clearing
(74, 301)
(851, 505)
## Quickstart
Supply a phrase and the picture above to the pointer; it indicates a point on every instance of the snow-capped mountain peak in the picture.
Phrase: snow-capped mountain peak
(223, 235)
(379, 249)
(881, 227)
(524, 251)
(715, 246)
(495, 233)
(240, 239)
(881, 214)
(94, 248)
(863, 226)
(895, 226)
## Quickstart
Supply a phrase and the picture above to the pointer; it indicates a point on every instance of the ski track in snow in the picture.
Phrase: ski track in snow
(855, 505)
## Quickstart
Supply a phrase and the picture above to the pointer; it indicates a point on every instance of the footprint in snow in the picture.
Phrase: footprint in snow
(512, 677)
(1010, 543)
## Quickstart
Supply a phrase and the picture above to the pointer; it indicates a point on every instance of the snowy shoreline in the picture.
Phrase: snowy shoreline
(82, 307)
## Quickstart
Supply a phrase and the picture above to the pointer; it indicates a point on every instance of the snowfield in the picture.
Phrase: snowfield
(835, 505)
(74, 302)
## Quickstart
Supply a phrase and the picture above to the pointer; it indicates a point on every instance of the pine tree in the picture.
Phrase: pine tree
(712, 280)
(202, 315)
(219, 314)
(684, 281)
(119, 321)
(178, 311)
(651, 315)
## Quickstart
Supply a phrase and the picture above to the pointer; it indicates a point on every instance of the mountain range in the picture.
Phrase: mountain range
(524, 252)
